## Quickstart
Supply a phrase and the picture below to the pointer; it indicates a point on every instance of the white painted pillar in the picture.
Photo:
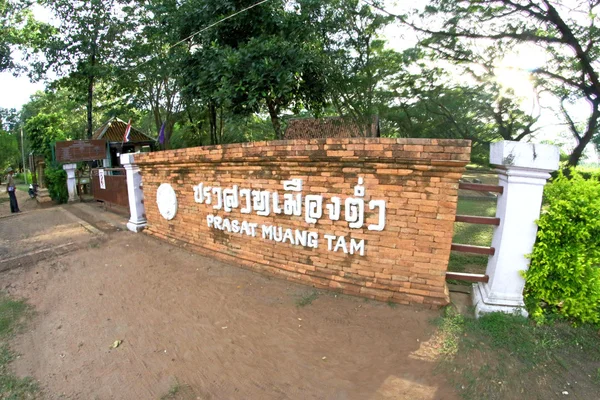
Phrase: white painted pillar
(137, 221)
(523, 170)
(71, 181)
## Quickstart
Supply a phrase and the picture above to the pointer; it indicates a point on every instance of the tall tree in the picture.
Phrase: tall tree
(467, 31)
(267, 58)
(19, 30)
(86, 45)
(147, 69)
(360, 66)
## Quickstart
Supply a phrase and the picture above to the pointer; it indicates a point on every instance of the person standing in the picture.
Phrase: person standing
(11, 189)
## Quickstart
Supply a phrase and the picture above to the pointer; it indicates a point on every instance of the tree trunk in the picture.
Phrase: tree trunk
(212, 119)
(584, 140)
(90, 92)
(273, 112)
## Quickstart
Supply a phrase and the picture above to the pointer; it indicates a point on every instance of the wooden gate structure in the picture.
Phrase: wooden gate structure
(114, 188)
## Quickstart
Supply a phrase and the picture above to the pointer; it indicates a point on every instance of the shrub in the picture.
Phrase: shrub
(564, 276)
(56, 180)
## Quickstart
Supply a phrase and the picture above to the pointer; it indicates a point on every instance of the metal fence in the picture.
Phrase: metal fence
(110, 185)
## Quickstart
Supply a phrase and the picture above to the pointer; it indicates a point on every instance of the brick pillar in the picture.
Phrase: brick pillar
(137, 221)
(523, 170)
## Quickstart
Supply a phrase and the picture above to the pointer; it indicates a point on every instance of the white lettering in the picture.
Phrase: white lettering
(210, 219)
(261, 202)
(313, 208)
(301, 237)
(247, 209)
(230, 198)
(217, 222)
(198, 193)
(267, 232)
(207, 194)
(330, 239)
(357, 247)
(381, 223)
(289, 236)
(313, 240)
(341, 243)
(278, 234)
(245, 229)
(219, 194)
(253, 228)
(355, 212)
(226, 225)
(334, 208)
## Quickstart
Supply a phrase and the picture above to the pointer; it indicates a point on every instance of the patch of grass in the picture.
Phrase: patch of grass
(391, 304)
(175, 388)
(12, 317)
(500, 356)
(4, 199)
(307, 299)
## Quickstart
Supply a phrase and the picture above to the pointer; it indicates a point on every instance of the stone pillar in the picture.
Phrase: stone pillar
(137, 221)
(523, 170)
(71, 181)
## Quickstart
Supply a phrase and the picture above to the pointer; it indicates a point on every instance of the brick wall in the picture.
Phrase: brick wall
(404, 263)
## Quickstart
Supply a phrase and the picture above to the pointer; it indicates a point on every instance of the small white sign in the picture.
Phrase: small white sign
(101, 179)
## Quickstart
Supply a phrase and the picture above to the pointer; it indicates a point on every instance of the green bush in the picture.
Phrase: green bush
(56, 180)
(564, 275)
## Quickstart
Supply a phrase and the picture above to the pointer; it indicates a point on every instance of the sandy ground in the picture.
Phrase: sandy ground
(218, 331)
(25, 202)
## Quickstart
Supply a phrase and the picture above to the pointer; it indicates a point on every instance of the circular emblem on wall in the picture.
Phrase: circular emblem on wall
(167, 201)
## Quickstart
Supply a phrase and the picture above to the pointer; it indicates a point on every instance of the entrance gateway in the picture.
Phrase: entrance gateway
(365, 216)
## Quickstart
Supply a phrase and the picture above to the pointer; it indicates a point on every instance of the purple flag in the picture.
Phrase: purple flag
(161, 134)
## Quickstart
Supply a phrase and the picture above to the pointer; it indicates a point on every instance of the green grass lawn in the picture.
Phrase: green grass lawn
(479, 235)
(13, 314)
(500, 356)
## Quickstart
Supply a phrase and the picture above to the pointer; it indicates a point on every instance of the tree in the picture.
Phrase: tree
(86, 44)
(469, 31)
(147, 69)
(360, 67)
(266, 58)
(18, 30)
(9, 150)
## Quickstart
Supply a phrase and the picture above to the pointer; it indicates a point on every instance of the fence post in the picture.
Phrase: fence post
(523, 170)
(137, 221)
(71, 182)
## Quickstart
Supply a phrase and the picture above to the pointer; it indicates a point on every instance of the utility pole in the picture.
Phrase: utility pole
(23, 155)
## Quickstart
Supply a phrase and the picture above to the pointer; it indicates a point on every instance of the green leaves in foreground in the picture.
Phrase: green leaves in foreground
(564, 276)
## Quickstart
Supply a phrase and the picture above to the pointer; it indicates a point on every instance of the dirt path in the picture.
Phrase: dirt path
(219, 331)
(25, 202)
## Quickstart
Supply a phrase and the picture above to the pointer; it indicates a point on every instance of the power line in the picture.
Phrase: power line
(218, 22)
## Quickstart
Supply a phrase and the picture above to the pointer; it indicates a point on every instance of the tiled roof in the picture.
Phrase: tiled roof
(329, 127)
(113, 130)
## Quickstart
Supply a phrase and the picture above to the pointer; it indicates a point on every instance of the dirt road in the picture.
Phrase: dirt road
(207, 330)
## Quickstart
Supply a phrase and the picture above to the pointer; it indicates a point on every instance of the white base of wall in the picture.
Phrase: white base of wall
(135, 227)
(484, 305)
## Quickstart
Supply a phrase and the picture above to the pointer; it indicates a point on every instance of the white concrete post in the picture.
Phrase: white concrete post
(71, 181)
(137, 221)
(523, 170)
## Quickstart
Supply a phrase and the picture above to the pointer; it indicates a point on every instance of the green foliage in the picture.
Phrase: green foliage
(19, 30)
(9, 150)
(564, 275)
(56, 181)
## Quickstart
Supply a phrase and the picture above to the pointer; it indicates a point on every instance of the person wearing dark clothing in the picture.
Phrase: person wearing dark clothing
(11, 189)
